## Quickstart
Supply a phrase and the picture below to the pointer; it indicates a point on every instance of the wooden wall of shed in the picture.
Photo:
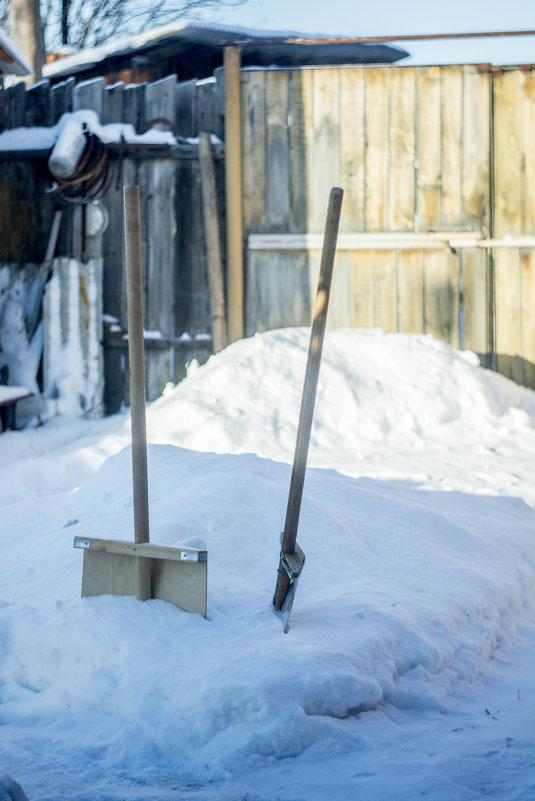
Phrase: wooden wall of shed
(416, 150)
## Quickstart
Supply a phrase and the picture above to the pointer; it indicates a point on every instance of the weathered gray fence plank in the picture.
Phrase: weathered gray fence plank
(89, 94)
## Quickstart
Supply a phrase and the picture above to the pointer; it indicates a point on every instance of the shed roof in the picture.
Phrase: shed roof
(259, 48)
(12, 60)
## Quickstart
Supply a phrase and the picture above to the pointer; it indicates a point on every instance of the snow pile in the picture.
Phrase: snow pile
(407, 598)
(404, 594)
(400, 404)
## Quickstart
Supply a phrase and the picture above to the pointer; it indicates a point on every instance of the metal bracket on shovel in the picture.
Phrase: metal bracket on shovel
(291, 564)
(292, 557)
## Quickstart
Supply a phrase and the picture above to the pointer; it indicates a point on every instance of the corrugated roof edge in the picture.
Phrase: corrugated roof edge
(203, 33)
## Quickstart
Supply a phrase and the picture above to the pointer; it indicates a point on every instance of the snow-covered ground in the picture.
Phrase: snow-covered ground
(407, 671)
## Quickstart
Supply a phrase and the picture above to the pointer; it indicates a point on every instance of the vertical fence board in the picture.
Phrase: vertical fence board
(38, 110)
(185, 113)
(134, 105)
(61, 99)
(352, 148)
(112, 103)
(160, 100)
(527, 123)
(385, 312)
(451, 169)
(339, 312)
(277, 192)
(16, 109)
(527, 293)
(476, 151)
(475, 305)
(454, 272)
(401, 150)
(411, 291)
(429, 137)
(508, 154)
(508, 320)
(208, 103)
(300, 114)
(436, 294)
(253, 150)
(377, 155)
(89, 94)
(324, 169)
(362, 289)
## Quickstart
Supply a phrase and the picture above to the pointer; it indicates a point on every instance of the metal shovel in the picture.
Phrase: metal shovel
(292, 557)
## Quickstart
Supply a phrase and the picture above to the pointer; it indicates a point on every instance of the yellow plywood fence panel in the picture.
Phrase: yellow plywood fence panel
(420, 157)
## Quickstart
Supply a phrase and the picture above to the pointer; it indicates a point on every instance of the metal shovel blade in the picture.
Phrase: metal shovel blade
(291, 565)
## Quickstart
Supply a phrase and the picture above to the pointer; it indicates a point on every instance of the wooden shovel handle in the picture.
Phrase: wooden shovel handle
(136, 360)
(312, 370)
(317, 334)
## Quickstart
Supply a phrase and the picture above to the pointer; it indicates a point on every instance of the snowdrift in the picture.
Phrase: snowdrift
(408, 590)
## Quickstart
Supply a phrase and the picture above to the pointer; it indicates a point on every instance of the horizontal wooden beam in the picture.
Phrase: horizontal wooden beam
(132, 150)
(143, 549)
(162, 343)
(387, 241)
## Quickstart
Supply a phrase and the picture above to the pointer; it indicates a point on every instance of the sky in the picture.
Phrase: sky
(392, 17)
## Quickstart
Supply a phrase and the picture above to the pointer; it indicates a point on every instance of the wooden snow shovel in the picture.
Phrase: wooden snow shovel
(117, 567)
(292, 557)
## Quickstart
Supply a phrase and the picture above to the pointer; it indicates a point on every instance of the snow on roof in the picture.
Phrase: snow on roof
(12, 60)
(202, 33)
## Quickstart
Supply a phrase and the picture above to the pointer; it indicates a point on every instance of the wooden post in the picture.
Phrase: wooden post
(136, 359)
(213, 250)
(233, 184)
(308, 400)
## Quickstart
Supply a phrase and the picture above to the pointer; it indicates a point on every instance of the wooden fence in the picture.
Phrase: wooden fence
(438, 220)
(438, 226)
(176, 297)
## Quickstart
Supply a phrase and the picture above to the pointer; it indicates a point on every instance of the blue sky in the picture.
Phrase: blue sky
(393, 17)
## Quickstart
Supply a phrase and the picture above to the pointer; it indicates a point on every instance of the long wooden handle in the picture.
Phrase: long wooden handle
(312, 370)
(136, 360)
(308, 400)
